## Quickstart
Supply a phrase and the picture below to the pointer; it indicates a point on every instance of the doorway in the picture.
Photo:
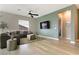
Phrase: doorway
(64, 26)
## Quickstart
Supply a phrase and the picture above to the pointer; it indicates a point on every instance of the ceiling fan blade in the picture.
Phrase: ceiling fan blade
(31, 16)
(35, 14)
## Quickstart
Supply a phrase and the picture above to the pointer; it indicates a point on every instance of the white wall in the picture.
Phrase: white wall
(12, 21)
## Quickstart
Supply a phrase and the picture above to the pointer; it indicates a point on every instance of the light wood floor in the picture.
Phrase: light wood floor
(43, 47)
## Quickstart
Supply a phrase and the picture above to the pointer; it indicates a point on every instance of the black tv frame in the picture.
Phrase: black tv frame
(43, 23)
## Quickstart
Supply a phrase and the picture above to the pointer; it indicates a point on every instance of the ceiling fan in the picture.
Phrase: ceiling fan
(32, 14)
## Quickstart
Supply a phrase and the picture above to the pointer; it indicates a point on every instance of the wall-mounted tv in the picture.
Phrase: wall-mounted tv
(45, 25)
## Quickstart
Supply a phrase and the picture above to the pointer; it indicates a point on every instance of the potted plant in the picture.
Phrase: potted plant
(3, 26)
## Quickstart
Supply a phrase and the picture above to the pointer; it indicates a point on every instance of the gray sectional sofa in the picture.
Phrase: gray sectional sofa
(17, 34)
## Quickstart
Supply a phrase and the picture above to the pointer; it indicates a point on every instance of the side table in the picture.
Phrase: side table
(11, 44)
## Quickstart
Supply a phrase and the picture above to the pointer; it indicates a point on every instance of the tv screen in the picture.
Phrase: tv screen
(45, 25)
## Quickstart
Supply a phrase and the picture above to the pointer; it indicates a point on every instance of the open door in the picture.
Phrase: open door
(64, 25)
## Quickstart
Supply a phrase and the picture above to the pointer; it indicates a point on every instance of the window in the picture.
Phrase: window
(23, 24)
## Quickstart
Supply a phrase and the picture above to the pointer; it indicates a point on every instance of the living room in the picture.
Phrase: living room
(37, 30)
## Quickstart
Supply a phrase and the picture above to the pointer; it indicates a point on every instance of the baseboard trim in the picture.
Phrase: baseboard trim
(47, 37)
(72, 42)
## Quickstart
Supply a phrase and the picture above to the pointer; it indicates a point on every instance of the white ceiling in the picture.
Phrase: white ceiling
(40, 9)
